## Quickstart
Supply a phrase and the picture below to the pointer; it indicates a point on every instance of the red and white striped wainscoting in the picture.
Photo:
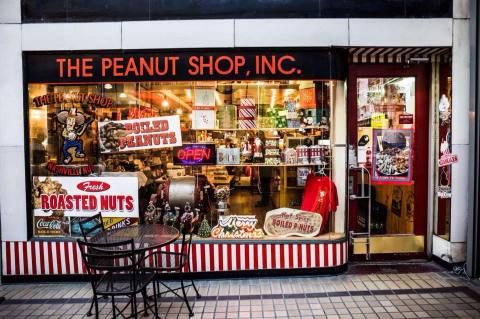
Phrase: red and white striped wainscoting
(64, 258)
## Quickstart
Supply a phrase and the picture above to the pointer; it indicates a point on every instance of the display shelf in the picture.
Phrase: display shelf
(263, 165)
(259, 129)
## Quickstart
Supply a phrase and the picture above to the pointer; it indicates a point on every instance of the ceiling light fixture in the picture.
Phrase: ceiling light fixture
(165, 102)
(122, 95)
(108, 86)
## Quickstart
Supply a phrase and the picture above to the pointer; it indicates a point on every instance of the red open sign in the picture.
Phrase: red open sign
(191, 154)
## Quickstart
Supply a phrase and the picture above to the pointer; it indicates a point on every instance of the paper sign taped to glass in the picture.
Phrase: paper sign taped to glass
(287, 222)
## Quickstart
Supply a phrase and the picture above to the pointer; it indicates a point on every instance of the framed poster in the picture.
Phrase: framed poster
(392, 156)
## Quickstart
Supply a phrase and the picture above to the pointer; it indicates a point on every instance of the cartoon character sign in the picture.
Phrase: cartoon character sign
(74, 125)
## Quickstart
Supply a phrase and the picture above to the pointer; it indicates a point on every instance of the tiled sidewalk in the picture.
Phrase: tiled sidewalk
(400, 295)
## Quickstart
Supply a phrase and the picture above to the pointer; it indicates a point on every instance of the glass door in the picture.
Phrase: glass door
(388, 121)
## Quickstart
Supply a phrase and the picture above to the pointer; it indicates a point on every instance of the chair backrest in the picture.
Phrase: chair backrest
(91, 225)
(114, 257)
(186, 230)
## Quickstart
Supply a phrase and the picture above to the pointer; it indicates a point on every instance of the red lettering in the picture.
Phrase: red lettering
(281, 67)
(44, 201)
(60, 62)
(106, 64)
(193, 61)
(128, 202)
(87, 67)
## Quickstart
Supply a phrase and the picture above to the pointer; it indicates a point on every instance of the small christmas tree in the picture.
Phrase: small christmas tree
(204, 229)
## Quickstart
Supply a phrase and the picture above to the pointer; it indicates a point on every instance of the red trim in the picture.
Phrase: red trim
(33, 255)
(75, 258)
(264, 256)
(42, 258)
(17, 258)
(220, 257)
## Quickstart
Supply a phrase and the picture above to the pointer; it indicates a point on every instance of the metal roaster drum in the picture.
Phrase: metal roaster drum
(179, 190)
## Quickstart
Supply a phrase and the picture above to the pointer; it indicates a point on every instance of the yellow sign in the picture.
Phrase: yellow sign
(378, 120)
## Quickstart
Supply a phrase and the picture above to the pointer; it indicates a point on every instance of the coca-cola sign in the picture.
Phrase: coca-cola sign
(49, 224)
(93, 186)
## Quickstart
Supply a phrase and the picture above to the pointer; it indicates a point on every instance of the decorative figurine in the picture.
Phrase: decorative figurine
(169, 217)
(150, 213)
(221, 194)
(205, 229)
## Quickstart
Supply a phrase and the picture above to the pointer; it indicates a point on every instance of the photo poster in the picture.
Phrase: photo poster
(139, 134)
(392, 156)
(203, 113)
(364, 145)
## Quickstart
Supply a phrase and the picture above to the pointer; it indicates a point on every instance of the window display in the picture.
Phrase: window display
(227, 151)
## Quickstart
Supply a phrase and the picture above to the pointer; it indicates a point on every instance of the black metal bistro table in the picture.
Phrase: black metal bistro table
(145, 236)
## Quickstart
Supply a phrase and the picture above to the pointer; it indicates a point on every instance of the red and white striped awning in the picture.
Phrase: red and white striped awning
(398, 55)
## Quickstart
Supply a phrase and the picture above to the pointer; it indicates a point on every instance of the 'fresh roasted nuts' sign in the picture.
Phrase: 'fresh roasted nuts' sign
(285, 222)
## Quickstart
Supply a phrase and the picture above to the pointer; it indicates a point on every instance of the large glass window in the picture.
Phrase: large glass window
(243, 155)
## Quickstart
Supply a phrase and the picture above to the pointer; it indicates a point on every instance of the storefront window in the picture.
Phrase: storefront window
(251, 158)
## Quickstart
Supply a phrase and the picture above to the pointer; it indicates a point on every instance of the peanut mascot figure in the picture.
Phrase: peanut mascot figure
(74, 125)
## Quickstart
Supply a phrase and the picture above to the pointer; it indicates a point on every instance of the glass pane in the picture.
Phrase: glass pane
(248, 147)
(386, 128)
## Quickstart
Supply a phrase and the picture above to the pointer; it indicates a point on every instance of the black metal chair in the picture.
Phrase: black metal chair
(89, 227)
(178, 263)
(114, 270)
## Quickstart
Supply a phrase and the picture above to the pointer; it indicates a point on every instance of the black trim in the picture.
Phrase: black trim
(127, 10)
(26, 132)
(298, 64)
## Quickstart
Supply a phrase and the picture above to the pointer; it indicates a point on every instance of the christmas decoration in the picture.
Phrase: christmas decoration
(204, 229)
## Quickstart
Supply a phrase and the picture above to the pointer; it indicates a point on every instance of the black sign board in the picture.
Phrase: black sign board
(125, 66)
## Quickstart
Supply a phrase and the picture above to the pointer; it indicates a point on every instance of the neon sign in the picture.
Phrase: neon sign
(194, 154)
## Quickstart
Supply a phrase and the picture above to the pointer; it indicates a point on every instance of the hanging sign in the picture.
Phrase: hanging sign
(237, 227)
(139, 134)
(286, 222)
(444, 191)
(392, 156)
(194, 154)
(446, 158)
(85, 196)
